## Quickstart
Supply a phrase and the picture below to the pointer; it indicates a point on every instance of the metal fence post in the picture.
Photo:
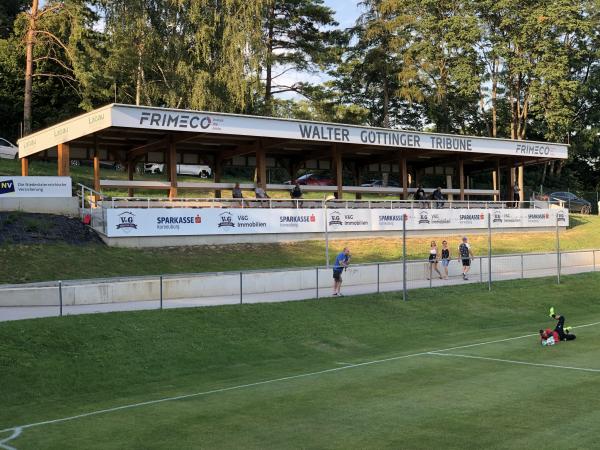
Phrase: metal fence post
(557, 252)
(326, 237)
(404, 257)
(489, 251)
(480, 270)
(522, 268)
(241, 288)
(60, 300)
(161, 292)
(430, 273)
(378, 278)
(317, 272)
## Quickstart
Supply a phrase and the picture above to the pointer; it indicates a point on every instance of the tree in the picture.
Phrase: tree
(57, 44)
(295, 38)
(226, 42)
(440, 65)
(9, 10)
(367, 77)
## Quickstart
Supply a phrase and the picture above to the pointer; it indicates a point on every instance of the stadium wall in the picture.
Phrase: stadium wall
(226, 285)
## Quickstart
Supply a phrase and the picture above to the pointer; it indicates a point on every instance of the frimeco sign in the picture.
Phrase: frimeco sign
(140, 117)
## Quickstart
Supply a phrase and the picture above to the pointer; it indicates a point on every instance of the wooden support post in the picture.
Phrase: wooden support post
(172, 168)
(461, 178)
(511, 184)
(96, 165)
(64, 160)
(130, 170)
(520, 181)
(218, 172)
(495, 183)
(24, 166)
(261, 166)
(404, 178)
(337, 164)
(499, 180)
(449, 186)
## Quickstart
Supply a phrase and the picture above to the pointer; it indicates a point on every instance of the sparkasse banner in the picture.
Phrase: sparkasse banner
(209, 221)
(35, 186)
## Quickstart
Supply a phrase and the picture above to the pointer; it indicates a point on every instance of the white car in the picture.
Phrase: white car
(8, 150)
(197, 170)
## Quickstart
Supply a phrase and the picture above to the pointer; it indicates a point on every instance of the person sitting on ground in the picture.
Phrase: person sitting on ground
(260, 192)
(560, 332)
(439, 197)
(237, 191)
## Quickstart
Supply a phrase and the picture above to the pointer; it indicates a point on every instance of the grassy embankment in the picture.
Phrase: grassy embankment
(53, 261)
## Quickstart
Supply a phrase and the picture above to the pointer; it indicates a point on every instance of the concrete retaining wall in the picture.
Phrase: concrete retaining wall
(181, 241)
(228, 284)
(66, 206)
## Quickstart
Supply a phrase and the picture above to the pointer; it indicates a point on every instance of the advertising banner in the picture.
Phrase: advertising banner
(35, 186)
(202, 221)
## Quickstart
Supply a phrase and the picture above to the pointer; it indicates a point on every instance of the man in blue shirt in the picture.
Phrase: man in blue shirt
(341, 262)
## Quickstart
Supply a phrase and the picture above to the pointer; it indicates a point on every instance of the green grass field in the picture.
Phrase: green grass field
(298, 374)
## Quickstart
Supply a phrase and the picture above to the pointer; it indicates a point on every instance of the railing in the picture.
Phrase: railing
(263, 285)
(153, 202)
(90, 199)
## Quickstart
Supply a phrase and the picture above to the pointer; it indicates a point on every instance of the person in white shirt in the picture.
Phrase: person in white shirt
(433, 260)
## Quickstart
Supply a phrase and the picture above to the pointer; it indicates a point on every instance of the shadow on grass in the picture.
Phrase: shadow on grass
(577, 220)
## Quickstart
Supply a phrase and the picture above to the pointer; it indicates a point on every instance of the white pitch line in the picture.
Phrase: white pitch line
(525, 363)
(18, 429)
(16, 432)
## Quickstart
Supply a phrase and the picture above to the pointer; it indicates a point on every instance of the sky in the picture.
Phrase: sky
(346, 11)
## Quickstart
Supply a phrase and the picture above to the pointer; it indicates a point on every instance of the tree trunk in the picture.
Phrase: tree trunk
(482, 107)
(27, 101)
(544, 175)
(561, 164)
(495, 98)
(139, 77)
(386, 100)
(269, 60)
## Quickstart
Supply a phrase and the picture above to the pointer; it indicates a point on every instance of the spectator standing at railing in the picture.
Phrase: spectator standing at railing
(439, 197)
(341, 263)
(237, 191)
(516, 195)
(466, 254)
